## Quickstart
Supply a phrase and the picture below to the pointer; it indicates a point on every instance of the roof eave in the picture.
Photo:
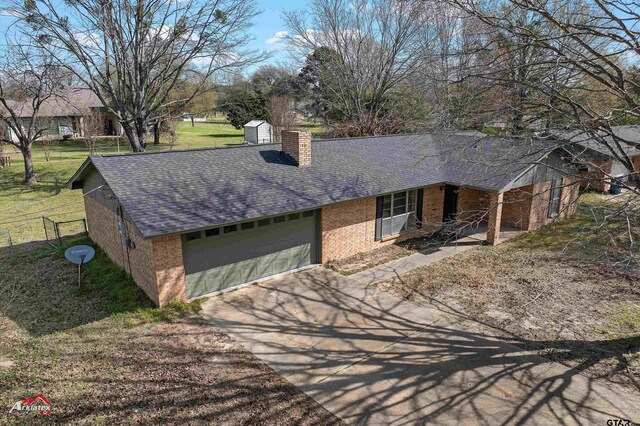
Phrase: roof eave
(79, 173)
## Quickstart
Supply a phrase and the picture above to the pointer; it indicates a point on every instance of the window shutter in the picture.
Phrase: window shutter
(379, 202)
(419, 199)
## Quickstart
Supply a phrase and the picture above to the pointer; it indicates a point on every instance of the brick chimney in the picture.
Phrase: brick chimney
(297, 145)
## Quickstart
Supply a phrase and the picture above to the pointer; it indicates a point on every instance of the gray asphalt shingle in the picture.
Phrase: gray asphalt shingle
(178, 191)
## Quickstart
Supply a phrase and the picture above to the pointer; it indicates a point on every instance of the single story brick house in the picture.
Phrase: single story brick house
(64, 114)
(191, 223)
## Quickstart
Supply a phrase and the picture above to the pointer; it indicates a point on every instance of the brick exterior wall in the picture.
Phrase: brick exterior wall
(349, 228)
(432, 207)
(597, 179)
(298, 146)
(541, 193)
(155, 265)
(516, 207)
(473, 205)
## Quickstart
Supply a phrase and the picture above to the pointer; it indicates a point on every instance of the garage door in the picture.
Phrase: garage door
(221, 258)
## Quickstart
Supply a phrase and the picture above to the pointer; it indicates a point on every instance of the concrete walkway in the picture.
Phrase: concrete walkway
(399, 267)
(371, 358)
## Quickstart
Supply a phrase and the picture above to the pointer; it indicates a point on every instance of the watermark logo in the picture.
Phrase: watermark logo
(38, 403)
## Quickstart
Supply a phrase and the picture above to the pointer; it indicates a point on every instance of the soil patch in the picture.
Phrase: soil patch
(583, 314)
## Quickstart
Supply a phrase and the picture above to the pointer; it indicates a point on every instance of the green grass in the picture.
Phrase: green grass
(41, 294)
(22, 206)
(216, 134)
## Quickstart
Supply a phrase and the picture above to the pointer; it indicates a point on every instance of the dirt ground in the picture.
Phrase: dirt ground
(103, 354)
(583, 314)
(173, 372)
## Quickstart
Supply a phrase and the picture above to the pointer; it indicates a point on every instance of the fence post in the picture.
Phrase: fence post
(46, 234)
(57, 229)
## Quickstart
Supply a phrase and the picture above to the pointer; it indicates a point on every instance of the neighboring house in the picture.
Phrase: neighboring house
(64, 114)
(193, 117)
(258, 132)
(203, 221)
(600, 163)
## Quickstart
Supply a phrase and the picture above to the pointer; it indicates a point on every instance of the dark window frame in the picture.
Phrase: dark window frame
(555, 198)
(212, 232)
(192, 236)
(391, 213)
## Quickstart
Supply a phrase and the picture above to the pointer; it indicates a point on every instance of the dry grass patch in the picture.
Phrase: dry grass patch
(369, 259)
(583, 314)
(103, 354)
(172, 372)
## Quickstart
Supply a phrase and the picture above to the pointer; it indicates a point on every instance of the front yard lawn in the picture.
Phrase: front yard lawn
(103, 354)
(546, 292)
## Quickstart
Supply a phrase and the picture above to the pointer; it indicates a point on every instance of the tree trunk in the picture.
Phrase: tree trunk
(193, 124)
(156, 133)
(142, 131)
(132, 135)
(29, 174)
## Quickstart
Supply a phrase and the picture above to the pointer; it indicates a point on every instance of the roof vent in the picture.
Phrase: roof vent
(297, 145)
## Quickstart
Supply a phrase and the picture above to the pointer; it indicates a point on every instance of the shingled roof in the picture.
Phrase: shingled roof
(66, 102)
(179, 191)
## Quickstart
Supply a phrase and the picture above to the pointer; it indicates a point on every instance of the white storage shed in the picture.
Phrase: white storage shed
(258, 131)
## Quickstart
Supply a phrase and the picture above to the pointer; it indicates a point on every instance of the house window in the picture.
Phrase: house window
(554, 198)
(279, 219)
(264, 222)
(308, 213)
(246, 225)
(230, 228)
(193, 236)
(395, 213)
(294, 216)
(212, 232)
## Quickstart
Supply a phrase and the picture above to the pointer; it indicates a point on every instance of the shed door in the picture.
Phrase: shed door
(220, 260)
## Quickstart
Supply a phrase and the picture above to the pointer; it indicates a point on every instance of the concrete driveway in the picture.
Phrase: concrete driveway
(371, 358)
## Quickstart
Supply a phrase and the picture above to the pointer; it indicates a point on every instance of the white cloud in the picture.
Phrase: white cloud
(278, 37)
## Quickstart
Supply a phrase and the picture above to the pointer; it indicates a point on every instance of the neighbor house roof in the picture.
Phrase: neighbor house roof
(67, 102)
(178, 191)
(629, 135)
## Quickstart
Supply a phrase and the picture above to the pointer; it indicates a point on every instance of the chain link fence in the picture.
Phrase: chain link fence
(6, 241)
(56, 232)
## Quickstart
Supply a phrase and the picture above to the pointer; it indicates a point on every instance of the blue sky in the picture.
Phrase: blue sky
(270, 22)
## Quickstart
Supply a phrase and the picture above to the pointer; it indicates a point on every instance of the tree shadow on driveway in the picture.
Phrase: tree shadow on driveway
(370, 357)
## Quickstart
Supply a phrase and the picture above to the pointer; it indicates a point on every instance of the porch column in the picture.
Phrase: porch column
(495, 217)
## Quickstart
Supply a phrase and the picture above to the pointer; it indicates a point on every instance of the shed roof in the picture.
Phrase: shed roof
(180, 191)
(254, 123)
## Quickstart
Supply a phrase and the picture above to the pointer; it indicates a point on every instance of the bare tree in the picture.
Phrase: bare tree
(373, 45)
(280, 114)
(132, 54)
(592, 45)
(29, 77)
(92, 128)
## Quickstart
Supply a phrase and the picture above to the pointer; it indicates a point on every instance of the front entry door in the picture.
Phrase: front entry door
(450, 203)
